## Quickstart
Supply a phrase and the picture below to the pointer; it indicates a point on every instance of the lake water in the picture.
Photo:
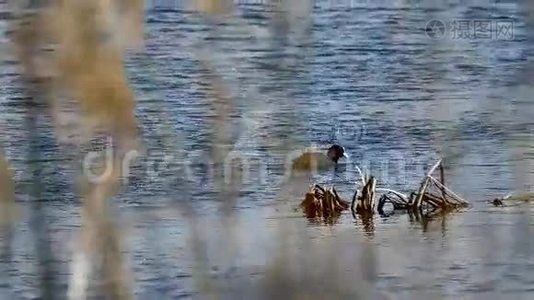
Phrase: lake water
(262, 84)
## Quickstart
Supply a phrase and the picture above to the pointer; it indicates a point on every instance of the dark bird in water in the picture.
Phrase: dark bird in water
(309, 161)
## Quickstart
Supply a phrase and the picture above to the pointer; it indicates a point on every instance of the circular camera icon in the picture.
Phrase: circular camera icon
(435, 29)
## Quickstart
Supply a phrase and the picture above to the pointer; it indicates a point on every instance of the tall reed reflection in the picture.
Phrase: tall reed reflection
(7, 193)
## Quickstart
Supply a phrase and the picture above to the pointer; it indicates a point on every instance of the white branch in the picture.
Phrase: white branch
(399, 194)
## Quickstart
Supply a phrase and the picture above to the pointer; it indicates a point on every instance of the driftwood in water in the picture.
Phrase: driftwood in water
(363, 201)
(434, 194)
(431, 196)
(320, 202)
(397, 199)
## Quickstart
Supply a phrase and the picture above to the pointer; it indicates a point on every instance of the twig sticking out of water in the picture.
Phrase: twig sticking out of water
(432, 195)
(90, 39)
(363, 202)
(397, 199)
(323, 203)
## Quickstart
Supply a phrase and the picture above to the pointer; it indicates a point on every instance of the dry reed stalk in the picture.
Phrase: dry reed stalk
(214, 7)
(28, 42)
(424, 185)
(99, 245)
(434, 194)
(130, 18)
(363, 202)
(397, 199)
(7, 192)
(320, 202)
(90, 69)
(222, 102)
(89, 38)
(442, 178)
(420, 193)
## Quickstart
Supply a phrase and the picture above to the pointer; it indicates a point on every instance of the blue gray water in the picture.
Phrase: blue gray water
(262, 84)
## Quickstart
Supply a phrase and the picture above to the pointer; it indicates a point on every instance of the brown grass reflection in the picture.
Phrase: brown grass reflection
(7, 192)
(88, 39)
(214, 7)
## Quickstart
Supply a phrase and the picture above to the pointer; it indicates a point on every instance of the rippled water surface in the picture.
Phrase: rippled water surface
(262, 84)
